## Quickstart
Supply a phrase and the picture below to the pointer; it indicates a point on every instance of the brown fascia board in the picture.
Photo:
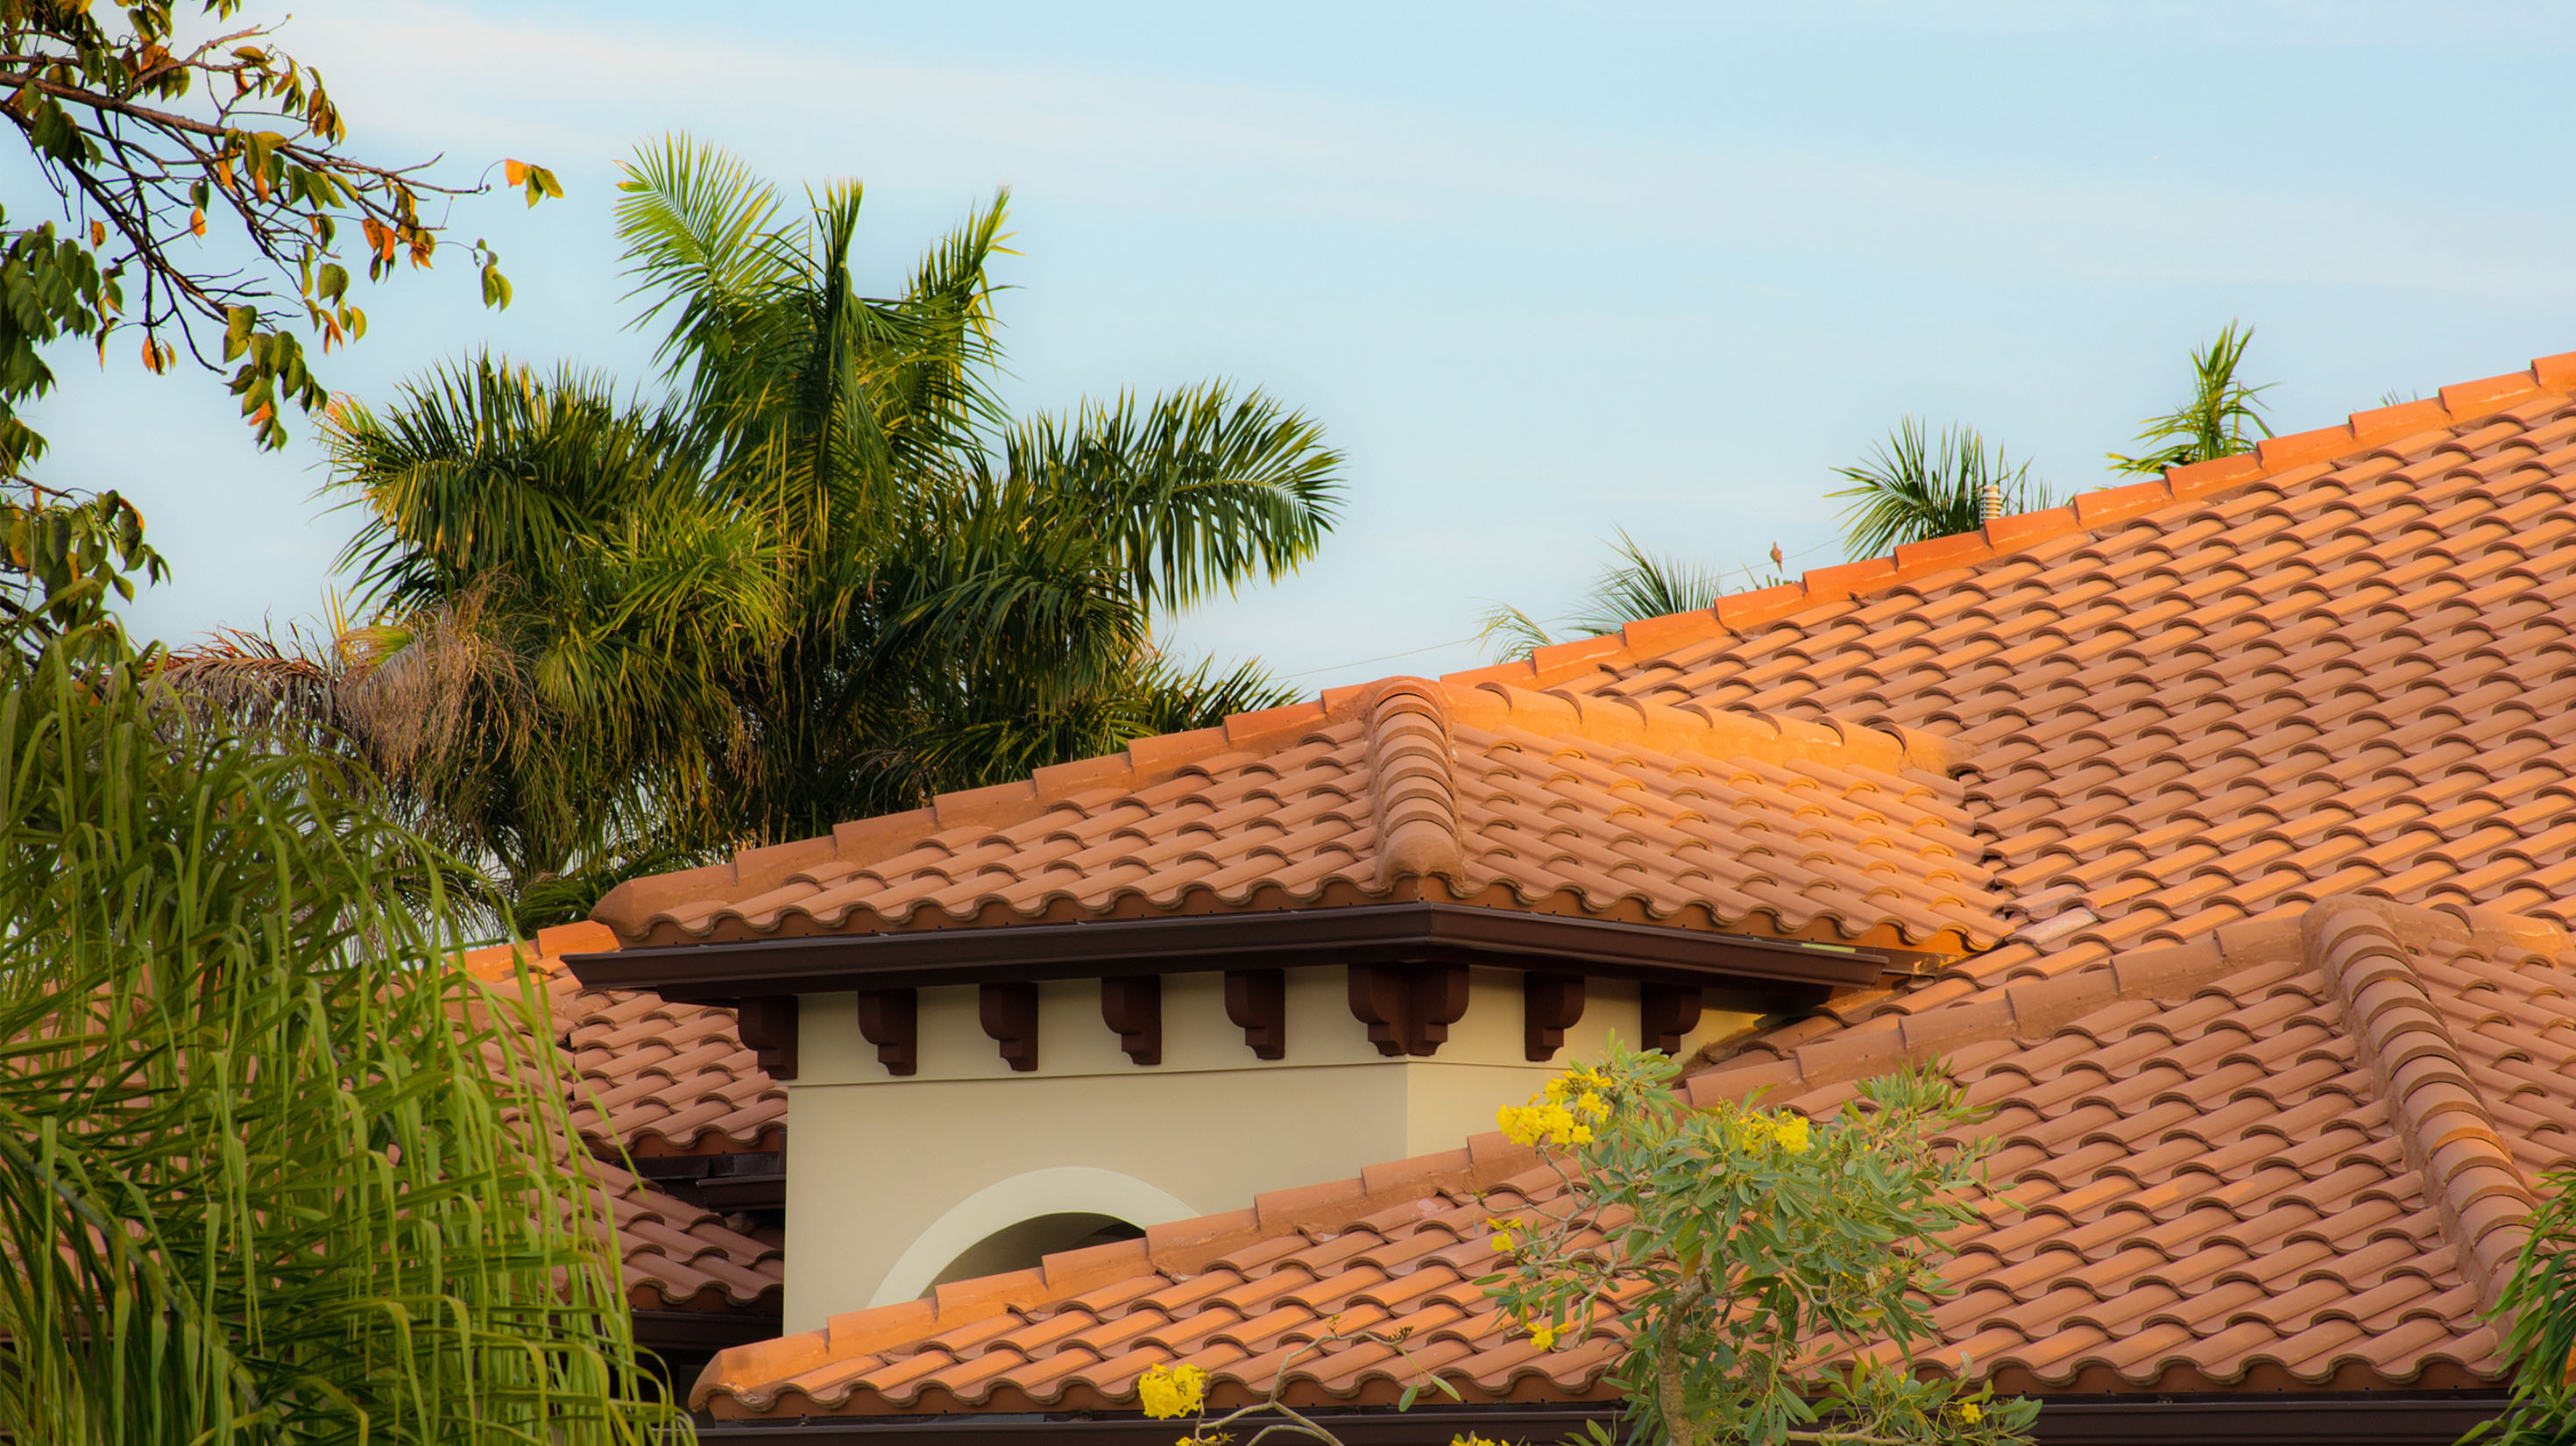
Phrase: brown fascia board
(2294, 1418)
(1774, 973)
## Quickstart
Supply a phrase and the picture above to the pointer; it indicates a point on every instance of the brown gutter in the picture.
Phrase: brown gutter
(1371, 935)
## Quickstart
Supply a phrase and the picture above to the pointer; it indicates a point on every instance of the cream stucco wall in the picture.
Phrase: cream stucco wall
(890, 1178)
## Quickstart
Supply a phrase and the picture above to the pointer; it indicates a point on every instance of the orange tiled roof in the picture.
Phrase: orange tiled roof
(2183, 708)
(664, 1078)
(681, 1257)
(2292, 1157)
(657, 1078)
(1667, 812)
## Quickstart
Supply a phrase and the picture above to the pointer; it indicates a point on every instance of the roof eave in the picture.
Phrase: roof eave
(1775, 973)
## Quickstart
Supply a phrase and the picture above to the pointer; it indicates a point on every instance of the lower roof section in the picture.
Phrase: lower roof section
(2294, 1158)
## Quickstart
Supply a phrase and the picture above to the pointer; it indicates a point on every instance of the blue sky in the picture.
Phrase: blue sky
(1543, 270)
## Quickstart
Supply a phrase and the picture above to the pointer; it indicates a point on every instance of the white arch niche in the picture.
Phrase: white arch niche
(1057, 1190)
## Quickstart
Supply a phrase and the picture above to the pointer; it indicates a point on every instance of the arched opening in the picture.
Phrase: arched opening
(1070, 1206)
(1022, 1246)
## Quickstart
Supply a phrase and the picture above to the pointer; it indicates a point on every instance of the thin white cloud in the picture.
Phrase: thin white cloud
(579, 94)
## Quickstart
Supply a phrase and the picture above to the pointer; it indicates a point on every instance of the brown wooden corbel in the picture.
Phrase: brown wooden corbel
(1257, 1001)
(767, 1025)
(1550, 1005)
(1666, 1012)
(1408, 1008)
(1009, 1013)
(1133, 1006)
(890, 1019)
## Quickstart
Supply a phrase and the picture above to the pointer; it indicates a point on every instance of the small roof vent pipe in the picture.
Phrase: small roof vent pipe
(1994, 501)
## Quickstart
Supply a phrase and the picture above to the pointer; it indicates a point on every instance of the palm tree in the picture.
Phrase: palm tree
(270, 1169)
(1635, 585)
(823, 575)
(2220, 419)
(1914, 486)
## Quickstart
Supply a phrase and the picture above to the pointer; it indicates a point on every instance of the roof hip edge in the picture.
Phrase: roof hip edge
(1413, 786)
(2442, 1122)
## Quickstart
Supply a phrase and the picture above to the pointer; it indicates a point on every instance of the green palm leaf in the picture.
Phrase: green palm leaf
(1914, 486)
(826, 572)
(2221, 418)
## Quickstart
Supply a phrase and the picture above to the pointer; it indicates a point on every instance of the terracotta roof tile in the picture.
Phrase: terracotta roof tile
(659, 1078)
(2269, 1162)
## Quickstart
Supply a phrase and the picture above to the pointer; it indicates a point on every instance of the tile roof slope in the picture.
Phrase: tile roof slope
(2294, 1156)
(658, 1078)
(1684, 815)
(2334, 665)
(679, 1256)
(2341, 663)
(650, 1083)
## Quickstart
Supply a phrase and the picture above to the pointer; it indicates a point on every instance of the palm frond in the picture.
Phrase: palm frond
(2221, 418)
(1914, 486)
(1196, 491)
(1640, 584)
(1506, 632)
(825, 573)
(700, 232)
(1171, 699)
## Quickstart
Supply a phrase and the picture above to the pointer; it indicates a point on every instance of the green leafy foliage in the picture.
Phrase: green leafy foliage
(272, 1170)
(1915, 486)
(2538, 1309)
(1774, 1276)
(2220, 419)
(63, 556)
(153, 141)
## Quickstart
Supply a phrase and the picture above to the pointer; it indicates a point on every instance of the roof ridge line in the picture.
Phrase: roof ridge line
(2014, 1011)
(2454, 405)
(2443, 1124)
(1413, 784)
(2017, 1010)
(542, 954)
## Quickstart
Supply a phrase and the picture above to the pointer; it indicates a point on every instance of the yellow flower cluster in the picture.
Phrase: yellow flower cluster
(1504, 1239)
(1971, 1412)
(1471, 1439)
(1561, 1114)
(1754, 1130)
(1167, 1391)
(1543, 1336)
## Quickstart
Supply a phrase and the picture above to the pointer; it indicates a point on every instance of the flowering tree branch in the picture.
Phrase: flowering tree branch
(147, 140)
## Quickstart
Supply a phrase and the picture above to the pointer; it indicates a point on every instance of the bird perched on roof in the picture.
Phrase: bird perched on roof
(1776, 558)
